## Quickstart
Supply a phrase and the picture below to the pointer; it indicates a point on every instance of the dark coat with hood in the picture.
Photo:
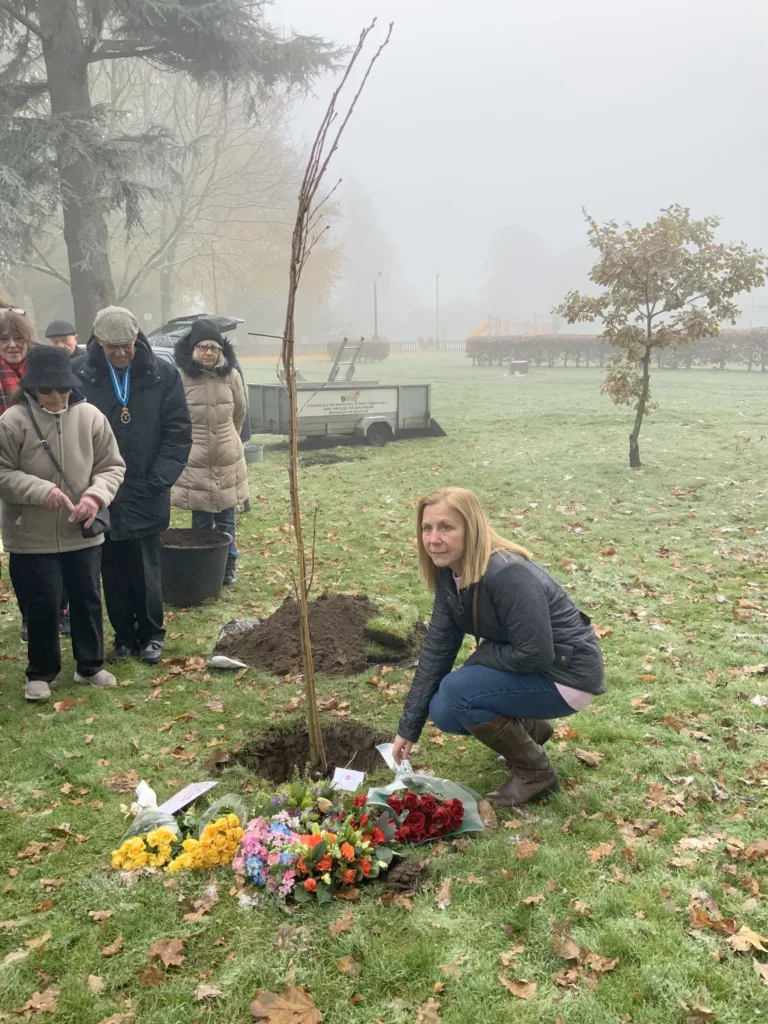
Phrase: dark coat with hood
(155, 444)
(528, 625)
(216, 476)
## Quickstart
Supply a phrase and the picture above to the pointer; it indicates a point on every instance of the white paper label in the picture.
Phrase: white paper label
(186, 796)
(346, 779)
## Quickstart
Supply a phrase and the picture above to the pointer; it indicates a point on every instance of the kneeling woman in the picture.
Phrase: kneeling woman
(59, 466)
(537, 656)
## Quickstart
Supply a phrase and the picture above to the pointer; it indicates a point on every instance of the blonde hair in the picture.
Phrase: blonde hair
(480, 539)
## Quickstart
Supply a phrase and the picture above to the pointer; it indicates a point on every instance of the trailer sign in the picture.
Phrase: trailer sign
(352, 402)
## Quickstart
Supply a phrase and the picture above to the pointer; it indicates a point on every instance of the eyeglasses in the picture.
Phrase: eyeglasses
(208, 346)
(49, 391)
(15, 339)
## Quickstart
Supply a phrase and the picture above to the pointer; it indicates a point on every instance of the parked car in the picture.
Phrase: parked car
(169, 333)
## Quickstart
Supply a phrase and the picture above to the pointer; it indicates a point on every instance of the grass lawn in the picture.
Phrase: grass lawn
(631, 853)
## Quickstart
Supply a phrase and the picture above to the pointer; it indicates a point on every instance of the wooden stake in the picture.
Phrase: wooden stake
(305, 236)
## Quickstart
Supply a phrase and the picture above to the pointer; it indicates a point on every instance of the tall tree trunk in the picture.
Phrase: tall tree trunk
(85, 229)
(634, 437)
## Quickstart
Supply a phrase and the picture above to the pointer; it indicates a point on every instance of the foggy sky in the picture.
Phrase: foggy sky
(497, 113)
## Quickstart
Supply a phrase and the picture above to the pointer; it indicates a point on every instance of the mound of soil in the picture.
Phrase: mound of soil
(337, 625)
(277, 753)
(407, 876)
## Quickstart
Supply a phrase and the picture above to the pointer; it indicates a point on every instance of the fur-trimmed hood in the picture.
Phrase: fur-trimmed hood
(183, 354)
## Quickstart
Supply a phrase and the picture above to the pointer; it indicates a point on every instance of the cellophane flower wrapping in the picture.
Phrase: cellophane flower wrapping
(443, 792)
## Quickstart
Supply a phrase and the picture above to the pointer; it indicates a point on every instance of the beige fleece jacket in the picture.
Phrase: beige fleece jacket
(82, 440)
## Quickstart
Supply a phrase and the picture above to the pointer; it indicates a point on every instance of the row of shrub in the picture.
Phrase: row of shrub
(747, 348)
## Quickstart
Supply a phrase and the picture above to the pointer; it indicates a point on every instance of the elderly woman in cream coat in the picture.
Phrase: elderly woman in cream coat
(215, 480)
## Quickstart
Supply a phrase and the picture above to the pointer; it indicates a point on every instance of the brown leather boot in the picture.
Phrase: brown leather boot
(538, 728)
(532, 774)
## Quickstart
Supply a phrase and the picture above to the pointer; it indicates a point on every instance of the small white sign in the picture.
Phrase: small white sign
(346, 779)
(147, 316)
(186, 796)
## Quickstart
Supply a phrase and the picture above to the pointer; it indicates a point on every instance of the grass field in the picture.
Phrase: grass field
(652, 858)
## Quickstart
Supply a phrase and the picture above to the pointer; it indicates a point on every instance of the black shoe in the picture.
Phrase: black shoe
(151, 652)
(24, 633)
(119, 653)
(65, 626)
(230, 573)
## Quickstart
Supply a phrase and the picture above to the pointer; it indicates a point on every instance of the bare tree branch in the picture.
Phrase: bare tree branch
(22, 19)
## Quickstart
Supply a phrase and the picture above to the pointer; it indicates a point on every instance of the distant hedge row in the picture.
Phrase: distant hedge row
(373, 351)
(730, 348)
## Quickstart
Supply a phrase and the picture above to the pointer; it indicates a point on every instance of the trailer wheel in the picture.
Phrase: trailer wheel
(378, 435)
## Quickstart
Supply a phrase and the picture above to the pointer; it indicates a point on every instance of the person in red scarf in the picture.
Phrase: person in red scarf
(16, 339)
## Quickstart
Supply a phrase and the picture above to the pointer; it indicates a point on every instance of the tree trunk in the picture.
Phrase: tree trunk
(634, 437)
(85, 229)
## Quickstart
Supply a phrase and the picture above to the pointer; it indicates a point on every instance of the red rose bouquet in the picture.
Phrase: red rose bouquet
(423, 817)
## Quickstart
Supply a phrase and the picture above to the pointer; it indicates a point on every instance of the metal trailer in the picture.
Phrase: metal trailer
(366, 409)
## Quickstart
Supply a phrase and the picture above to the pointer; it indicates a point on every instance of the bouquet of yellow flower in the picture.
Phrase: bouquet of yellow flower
(152, 850)
(217, 844)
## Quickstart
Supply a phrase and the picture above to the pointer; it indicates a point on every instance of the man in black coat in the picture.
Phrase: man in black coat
(143, 399)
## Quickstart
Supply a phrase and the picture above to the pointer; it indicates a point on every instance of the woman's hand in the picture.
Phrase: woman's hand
(57, 499)
(401, 750)
(84, 511)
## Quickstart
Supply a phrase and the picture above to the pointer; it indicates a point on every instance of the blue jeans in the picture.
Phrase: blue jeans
(223, 521)
(475, 694)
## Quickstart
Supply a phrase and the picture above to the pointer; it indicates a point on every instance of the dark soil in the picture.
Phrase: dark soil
(276, 754)
(193, 539)
(406, 876)
(337, 628)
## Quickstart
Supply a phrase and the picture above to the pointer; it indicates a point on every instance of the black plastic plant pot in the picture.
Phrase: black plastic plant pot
(192, 564)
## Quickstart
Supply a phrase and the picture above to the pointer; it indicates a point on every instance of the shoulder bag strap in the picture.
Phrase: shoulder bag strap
(475, 594)
(49, 453)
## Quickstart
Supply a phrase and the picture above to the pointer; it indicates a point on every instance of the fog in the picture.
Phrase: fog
(486, 127)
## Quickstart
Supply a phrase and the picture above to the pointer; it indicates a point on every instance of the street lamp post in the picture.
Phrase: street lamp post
(437, 312)
(375, 309)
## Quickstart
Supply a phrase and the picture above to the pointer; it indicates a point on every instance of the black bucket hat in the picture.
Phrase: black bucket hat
(48, 367)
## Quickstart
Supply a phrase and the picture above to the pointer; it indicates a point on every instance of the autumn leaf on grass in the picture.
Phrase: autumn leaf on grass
(39, 943)
(341, 924)
(602, 631)
(591, 758)
(526, 849)
(762, 971)
(95, 983)
(293, 1005)
(348, 966)
(207, 992)
(114, 947)
(563, 945)
(40, 1002)
(532, 901)
(596, 854)
(700, 918)
(443, 896)
(745, 939)
(429, 1012)
(100, 915)
(487, 814)
(64, 705)
(118, 1018)
(15, 956)
(168, 951)
(518, 988)
(601, 964)
(151, 976)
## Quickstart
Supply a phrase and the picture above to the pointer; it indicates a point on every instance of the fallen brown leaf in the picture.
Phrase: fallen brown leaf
(118, 1018)
(293, 1005)
(526, 849)
(114, 947)
(596, 854)
(151, 976)
(518, 988)
(207, 992)
(341, 924)
(40, 942)
(40, 1002)
(95, 983)
(348, 966)
(591, 758)
(762, 971)
(168, 951)
(100, 915)
(532, 901)
(429, 1012)
(64, 705)
(745, 939)
(487, 814)
(443, 896)
(599, 964)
